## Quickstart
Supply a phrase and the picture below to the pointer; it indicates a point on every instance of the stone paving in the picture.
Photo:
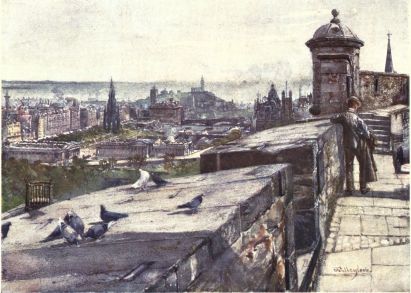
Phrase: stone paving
(369, 237)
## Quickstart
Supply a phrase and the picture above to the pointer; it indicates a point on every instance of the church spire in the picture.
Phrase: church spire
(389, 67)
(202, 83)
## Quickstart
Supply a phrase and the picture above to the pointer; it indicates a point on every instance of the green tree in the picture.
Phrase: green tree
(169, 161)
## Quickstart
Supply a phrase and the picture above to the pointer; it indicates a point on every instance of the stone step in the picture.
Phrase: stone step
(373, 116)
(380, 131)
(384, 138)
(375, 122)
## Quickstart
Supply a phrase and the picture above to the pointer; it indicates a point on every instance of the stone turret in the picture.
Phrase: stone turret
(335, 50)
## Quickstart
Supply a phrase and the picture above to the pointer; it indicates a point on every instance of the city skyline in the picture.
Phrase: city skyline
(145, 41)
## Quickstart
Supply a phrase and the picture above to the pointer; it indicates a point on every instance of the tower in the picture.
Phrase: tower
(153, 95)
(7, 101)
(389, 67)
(111, 120)
(202, 83)
(335, 51)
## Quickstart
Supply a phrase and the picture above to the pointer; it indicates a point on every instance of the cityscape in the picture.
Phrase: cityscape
(235, 184)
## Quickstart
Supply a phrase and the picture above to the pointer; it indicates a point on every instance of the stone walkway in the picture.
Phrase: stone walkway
(368, 245)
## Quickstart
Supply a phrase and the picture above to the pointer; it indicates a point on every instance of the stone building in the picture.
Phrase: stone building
(111, 120)
(46, 152)
(286, 107)
(167, 112)
(89, 117)
(202, 104)
(270, 111)
(382, 89)
(335, 50)
(57, 121)
(172, 148)
(13, 130)
(122, 150)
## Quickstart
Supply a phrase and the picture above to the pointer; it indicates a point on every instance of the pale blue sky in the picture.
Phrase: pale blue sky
(181, 40)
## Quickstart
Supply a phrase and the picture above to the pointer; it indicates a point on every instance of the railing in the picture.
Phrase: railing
(38, 194)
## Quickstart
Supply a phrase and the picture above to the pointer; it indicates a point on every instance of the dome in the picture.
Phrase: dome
(335, 31)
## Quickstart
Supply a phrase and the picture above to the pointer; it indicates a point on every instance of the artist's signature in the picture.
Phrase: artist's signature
(350, 270)
(356, 270)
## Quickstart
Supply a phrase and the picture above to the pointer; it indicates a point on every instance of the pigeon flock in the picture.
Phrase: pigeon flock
(71, 228)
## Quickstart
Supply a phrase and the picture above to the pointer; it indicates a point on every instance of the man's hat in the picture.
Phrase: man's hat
(354, 99)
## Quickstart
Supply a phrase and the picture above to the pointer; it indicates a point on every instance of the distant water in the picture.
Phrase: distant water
(238, 91)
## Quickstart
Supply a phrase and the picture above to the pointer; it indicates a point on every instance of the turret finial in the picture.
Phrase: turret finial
(335, 14)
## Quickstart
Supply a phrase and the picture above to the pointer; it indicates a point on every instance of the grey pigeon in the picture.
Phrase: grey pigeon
(157, 179)
(108, 216)
(193, 204)
(5, 229)
(68, 233)
(56, 234)
(75, 222)
(98, 230)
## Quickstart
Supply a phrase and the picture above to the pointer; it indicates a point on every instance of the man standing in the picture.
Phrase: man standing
(358, 142)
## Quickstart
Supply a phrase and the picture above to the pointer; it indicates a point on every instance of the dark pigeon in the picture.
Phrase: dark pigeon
(56, 234)
(75, 222)
(108, 216)
(193, 204)
(68, 233)
(5, 229)
(157, 179)
(98, 230)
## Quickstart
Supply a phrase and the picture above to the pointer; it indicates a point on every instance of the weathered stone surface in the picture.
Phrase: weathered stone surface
(400, 281)
(350, 225)
(182, 245)
(348, 263)
(374, 225)
(392, 255)
(361, 283)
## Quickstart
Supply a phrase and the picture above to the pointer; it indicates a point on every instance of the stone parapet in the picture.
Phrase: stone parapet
(242, 220)
(314, 150)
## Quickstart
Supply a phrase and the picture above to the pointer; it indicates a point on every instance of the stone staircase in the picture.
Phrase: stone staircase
(381, 127)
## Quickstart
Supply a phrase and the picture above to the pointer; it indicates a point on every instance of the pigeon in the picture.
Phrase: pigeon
(108, 216)
(75, 222)
(5, 229)
(56, 234)
(157, 179)
(68, 233)
(141, 183)
(193, 204)
(98, 230)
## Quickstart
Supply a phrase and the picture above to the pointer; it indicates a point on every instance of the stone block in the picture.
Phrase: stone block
(350, 225)
(374, 225)
(391, 203)
(400, 281)
(391, 255)
(360, 283)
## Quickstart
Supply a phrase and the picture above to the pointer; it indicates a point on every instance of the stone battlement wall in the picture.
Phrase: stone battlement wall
(236, 241)
(315, 152)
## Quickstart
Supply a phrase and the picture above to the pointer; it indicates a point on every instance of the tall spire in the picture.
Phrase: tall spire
(389, 67)
(202, 83)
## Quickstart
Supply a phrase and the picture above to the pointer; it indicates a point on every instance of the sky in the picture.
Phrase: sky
(181, 40)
